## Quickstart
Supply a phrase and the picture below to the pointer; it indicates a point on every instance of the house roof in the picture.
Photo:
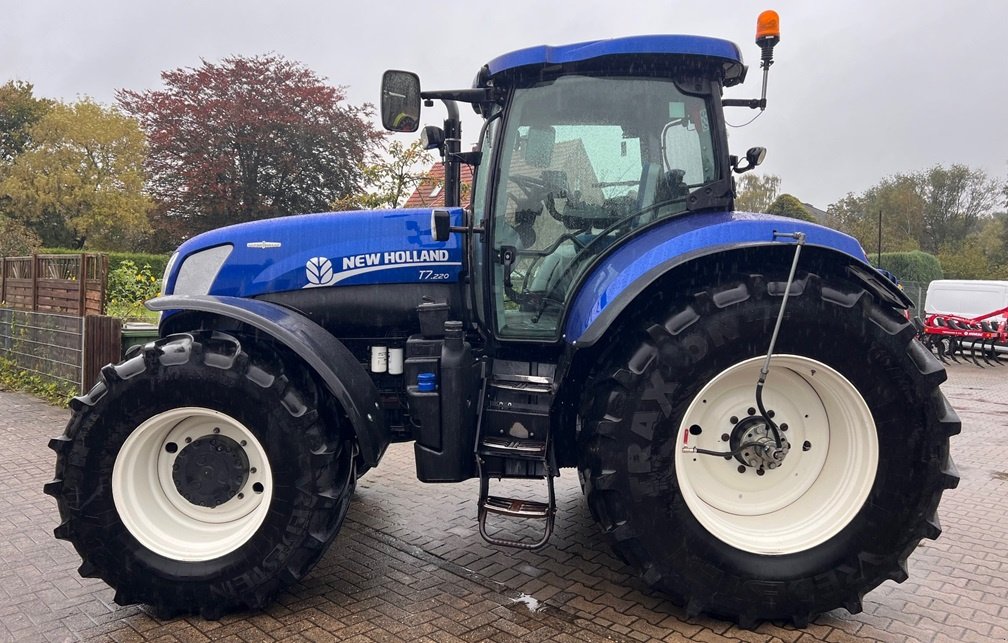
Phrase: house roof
(429, 193)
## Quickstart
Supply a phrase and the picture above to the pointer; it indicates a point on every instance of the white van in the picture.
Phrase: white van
(966, 297)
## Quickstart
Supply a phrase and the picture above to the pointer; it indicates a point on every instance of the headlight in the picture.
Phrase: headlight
(198, 271)
(167, 273)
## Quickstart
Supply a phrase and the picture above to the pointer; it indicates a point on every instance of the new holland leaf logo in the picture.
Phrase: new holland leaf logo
(319, 271)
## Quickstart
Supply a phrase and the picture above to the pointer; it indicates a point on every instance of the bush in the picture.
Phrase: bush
(912, 266)
(128, 288)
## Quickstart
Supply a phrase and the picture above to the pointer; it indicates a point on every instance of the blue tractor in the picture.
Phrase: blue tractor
(754, 425)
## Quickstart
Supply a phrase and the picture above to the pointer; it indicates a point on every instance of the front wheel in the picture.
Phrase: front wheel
(201, 475)
(687, 478)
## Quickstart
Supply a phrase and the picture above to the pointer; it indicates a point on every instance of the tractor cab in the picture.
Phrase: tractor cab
(582, 146)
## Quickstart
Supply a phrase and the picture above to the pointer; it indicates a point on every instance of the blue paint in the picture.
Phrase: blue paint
(726, 52)
(667, 244)
(361, 248)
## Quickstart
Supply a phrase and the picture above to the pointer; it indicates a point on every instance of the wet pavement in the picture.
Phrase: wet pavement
(409, 563)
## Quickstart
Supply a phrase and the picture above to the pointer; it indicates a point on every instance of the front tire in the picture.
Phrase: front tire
(745, 538)
(201, 476)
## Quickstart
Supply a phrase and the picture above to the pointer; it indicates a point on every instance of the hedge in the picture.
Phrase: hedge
(912, 266)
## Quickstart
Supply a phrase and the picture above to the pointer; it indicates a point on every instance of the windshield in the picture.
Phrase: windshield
(583, 162)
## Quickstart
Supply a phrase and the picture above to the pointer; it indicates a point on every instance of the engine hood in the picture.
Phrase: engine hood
(329, 249)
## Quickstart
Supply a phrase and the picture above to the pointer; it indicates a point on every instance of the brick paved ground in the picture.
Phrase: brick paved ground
(409, 564)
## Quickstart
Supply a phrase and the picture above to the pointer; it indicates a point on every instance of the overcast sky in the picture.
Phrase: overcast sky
(861, 89)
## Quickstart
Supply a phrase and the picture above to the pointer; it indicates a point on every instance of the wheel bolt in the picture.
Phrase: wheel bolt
(770, 413)
(252, 470)
(760, 472)
(741, 468)
(725, 437)
(751, 411)
(806, 446)
(241, 495)
(216, 429)
(733, 420)
(783, 427)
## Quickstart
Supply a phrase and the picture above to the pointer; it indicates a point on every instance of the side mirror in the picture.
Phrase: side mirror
(400, 101)
(753, 157)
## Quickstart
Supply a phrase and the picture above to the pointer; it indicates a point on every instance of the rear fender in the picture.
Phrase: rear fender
(633, 268)
(343, 375)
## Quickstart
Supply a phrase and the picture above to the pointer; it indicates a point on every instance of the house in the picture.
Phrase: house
(429, 193)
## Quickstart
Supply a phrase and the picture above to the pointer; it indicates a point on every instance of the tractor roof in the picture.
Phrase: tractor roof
(722, 52)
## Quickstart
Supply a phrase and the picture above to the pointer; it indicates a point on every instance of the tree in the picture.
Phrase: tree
(250, 138)
(955, 199)
(19, 110)
(980, 255)
(17, 240)
(787, 205)
(932, 210)
(756, 193)
(900, 203)
(390, 181)
(80, 180)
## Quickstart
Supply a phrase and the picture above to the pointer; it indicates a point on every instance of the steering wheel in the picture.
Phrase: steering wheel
(536, 190)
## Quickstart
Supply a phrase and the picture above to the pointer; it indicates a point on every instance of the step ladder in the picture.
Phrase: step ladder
(514, 443)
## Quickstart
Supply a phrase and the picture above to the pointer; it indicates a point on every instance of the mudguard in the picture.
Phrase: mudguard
(343, 375)
(629, 269)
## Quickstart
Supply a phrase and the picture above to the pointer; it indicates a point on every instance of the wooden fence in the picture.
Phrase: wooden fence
(52, 320)
(62, 284)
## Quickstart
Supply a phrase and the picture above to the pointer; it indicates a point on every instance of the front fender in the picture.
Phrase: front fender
(343, 375)
(630, 269)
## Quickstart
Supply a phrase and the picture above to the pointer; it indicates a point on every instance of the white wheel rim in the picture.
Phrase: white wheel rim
(814, 493)
(154, 511)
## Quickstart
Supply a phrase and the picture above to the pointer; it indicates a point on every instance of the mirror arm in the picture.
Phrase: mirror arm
(751, 103)
(480, 95)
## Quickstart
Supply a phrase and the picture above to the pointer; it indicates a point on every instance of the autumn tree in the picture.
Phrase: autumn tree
(390, 180)
(19, 110)
(934, 210)
(756, 192)
(787, 205)
(250, 138)
(17, 239)
(955, 200)
(80, 180)
(898, 199)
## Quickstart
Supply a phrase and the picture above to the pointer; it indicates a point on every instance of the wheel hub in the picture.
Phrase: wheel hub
(759, 448)
(210, 470)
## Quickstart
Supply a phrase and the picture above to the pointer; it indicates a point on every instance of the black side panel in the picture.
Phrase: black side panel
(388, 309)
(334, 363)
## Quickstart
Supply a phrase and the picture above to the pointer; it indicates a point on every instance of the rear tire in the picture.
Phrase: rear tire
(825, 526)
(201, 477)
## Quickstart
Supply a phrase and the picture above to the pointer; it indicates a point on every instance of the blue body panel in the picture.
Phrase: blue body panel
(330, 249)
(677, 45)
(669, 244)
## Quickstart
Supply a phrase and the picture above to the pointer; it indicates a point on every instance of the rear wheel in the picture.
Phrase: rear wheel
(201, 476)
(753, 530)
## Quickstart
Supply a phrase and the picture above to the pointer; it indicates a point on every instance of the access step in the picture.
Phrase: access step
(516, 508)
(506, 447)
